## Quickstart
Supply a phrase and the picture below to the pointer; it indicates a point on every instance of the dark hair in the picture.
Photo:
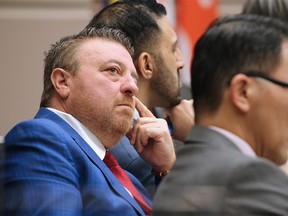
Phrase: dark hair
(136, 18)
(233, 45)
(272, 8)
(62, 54)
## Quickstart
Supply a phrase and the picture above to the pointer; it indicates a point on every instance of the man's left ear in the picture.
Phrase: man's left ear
(60, 79)
(240, 92)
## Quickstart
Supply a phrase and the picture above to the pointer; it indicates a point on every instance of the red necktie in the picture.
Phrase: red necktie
(122, 176)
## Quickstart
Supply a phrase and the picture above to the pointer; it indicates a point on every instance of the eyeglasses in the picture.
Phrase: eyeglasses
(264, 76)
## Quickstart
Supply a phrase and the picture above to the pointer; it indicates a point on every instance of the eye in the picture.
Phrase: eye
(114, 70)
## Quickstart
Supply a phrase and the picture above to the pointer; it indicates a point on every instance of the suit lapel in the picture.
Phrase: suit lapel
(111, 179)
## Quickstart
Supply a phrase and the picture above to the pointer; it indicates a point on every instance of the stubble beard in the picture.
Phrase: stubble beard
(166, 86)
(117, 125)
(107, 124)
(122, 121)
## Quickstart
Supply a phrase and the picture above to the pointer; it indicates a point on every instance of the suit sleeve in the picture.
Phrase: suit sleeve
(39, 175)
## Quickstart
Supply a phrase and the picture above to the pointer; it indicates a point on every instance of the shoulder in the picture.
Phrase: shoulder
(239, 186)
(41, 127)
(257, 185)
(258, 170)
(38, 141)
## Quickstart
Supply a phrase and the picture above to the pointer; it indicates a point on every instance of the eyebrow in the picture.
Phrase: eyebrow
(134, 73)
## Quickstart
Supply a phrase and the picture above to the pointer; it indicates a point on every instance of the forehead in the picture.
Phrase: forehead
(282, 67)
(167, 30)
(285, 52)
(284, 56)
(101, 47)
(99, 51)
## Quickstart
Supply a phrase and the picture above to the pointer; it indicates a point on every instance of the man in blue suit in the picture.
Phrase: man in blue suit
(54, 162)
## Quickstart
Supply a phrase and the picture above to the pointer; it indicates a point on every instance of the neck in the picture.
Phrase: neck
(144, 94)
(107, 140)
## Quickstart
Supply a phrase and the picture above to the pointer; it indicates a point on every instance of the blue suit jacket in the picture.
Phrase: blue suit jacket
(51, 170)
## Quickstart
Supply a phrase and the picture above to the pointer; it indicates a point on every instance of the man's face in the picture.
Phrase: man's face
(272, 114)
(166, 82)
(102, 90)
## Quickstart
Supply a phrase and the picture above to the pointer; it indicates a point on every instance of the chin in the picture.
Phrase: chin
(124, 126)
(176, 101)
(280, 159)
(284, 159)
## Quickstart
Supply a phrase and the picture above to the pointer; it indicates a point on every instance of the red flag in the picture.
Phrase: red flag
(193, 17)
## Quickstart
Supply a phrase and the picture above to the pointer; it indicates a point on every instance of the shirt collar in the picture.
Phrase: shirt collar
(244, 147)
(136, 114)
(84, 132)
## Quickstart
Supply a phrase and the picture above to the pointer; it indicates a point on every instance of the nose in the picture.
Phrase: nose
(129, 86)
(179, 59)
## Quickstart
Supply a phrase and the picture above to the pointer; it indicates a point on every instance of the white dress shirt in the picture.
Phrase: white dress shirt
(86, 134)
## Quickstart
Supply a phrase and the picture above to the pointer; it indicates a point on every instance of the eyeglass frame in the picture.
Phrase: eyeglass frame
(266, 77)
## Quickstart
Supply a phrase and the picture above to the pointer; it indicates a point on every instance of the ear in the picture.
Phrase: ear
(240, 91)
(145, 64)
(60, 79)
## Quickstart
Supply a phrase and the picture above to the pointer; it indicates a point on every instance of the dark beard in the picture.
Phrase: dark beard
(161, 84)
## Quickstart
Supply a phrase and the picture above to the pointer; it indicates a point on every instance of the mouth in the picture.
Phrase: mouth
(126, 105)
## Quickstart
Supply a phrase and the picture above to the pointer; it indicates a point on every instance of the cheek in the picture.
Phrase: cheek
(172, 63)
(278, 119)
(95, 95)
(102, 89)
(280, 106)
(171, 66)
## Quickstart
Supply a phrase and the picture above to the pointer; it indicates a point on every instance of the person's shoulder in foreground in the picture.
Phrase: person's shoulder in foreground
(229, 163)
(212, 177)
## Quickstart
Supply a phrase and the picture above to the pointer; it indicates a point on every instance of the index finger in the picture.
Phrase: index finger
(142, 109)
